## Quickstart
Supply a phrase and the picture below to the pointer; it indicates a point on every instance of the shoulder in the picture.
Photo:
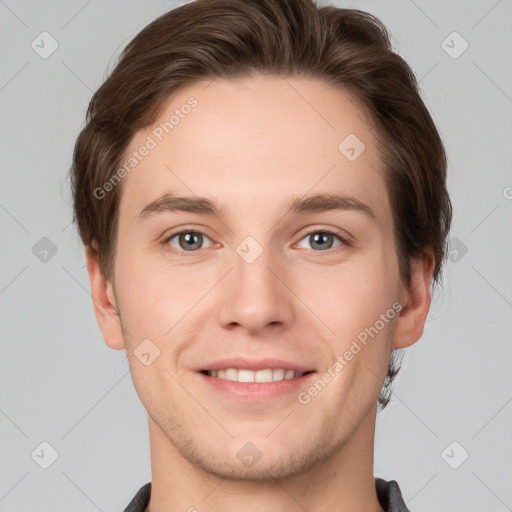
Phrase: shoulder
(390, 495)
(140, 500)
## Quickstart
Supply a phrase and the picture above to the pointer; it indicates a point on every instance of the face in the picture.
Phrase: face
(282, 257)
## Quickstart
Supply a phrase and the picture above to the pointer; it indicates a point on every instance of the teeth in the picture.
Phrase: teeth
(266, 375)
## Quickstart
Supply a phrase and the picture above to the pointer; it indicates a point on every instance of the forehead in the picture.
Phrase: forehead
(265, 135)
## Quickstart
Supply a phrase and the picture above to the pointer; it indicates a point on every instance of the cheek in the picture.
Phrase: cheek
(350, 297)
(159, 300)
(343, 298)
(151, 299)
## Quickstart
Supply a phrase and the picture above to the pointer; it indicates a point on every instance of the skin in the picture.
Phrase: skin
(251, 145)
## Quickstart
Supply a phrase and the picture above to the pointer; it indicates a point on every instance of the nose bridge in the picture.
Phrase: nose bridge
(255, 296)
(252, 266)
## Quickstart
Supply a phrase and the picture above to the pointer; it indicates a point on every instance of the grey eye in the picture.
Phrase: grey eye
(188, 240)
(321, 240)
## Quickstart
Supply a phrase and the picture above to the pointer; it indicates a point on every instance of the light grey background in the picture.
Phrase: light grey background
(60, 384)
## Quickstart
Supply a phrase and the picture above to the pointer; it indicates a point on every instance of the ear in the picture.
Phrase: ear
(103, 297)
(415, 301)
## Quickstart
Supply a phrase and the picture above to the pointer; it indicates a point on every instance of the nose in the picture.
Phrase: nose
(255, 296)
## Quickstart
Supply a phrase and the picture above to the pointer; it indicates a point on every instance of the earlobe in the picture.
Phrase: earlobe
(105, 306)
(415, 303)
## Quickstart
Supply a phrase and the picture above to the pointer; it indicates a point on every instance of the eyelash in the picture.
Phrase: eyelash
(185, 254)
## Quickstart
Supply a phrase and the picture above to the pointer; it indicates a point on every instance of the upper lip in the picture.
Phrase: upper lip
(255, 364)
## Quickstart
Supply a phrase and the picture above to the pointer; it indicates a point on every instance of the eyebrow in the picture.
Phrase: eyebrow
(170, 202)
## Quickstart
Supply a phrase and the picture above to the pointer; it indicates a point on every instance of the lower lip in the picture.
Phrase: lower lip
(256, 391)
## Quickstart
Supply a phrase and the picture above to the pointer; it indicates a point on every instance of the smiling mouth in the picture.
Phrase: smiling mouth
(247, 376)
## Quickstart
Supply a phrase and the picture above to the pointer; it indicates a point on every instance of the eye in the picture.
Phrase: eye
(322, 240)
(191, 241)
(186, 240)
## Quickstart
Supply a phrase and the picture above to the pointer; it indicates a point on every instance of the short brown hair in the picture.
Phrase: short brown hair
(349, 49)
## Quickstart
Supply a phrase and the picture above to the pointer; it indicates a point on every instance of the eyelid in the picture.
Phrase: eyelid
(343, 235)
(185, 229)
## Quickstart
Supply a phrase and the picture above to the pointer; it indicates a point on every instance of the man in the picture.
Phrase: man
(231, 142)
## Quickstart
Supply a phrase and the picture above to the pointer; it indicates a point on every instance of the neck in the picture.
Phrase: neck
(343, 482)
